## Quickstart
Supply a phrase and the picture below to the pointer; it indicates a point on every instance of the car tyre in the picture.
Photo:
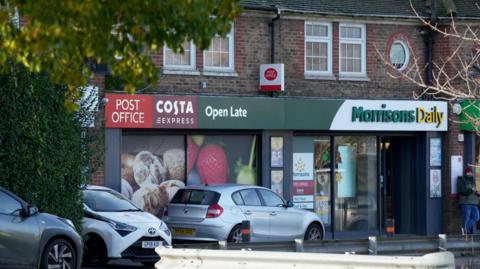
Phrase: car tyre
(235, 235)
(59, 253)
(148, 264)
(314, 232)
(95, 252)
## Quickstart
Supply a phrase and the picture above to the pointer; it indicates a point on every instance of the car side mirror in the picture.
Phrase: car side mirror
(32, 210)
(289, 204)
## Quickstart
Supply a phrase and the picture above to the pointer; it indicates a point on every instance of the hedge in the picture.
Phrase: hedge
(41, 154)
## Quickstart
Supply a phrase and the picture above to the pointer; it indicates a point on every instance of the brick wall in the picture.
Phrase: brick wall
(252, 47)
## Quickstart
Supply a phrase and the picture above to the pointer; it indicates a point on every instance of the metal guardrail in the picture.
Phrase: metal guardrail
(176, 258)
(413, 246)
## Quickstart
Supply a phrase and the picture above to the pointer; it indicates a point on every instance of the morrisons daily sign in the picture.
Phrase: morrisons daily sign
(391, 115)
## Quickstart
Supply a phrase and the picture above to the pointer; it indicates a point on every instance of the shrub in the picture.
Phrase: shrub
(41, 155)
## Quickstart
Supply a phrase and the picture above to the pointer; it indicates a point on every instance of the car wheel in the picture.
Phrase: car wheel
(235, 235)
(314, 232)
(95, 252)
(59, 254)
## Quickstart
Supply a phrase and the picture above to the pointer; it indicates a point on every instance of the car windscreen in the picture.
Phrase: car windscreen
(107, 201)
(195, 197)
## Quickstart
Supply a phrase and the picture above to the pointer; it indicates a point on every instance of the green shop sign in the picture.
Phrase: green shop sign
(262, 113)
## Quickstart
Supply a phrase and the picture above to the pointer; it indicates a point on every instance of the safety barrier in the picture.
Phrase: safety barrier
(173, 258)
(412, 246)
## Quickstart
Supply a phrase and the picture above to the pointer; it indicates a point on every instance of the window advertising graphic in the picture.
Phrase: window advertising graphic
(153, 169)
(277, 181)
(346, 172)
(435, 183)
(219, 159)
(303, 184)
(276, 151)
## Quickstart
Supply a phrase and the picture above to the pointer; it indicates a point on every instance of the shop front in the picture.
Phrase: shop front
(355, 163)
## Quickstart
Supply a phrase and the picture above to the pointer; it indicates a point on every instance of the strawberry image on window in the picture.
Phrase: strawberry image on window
(212, 165)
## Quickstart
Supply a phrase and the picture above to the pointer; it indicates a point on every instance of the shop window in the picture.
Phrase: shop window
(220, 54)
(355, 184)
(318, 48)
(153, 169)
(322, 163)
(180, 61)
(352, 54)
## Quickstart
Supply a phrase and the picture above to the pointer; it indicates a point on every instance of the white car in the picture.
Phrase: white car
(115, 228)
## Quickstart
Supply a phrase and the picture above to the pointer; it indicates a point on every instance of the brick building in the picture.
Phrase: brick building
(343, 138)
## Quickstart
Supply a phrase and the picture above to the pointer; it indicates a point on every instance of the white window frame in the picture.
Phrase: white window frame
(180, 67)
(231, 55)
(363, 50)
(327, 40)
(407, 53)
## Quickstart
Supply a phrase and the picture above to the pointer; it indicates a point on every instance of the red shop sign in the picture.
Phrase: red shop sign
(128, 111)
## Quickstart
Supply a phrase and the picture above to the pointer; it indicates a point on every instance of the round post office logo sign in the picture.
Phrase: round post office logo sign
(270, 74)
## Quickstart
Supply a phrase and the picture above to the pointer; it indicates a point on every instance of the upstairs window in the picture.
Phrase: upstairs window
(318, 48)
(352, 52)
(181, 61)
(399, 55)
(219, 56)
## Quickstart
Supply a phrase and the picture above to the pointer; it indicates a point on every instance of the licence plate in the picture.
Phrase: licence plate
(184, 231)
(151, 244)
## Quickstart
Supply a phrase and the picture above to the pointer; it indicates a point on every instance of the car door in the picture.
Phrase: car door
(284, 223)
(257, 214)
(19, 236)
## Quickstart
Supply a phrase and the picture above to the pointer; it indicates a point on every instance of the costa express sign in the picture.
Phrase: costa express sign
(146, 111)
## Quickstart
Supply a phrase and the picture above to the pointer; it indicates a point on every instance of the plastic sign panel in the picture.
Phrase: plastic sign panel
(262, 113)
(272, 77)
(385, 115)
(128, 111)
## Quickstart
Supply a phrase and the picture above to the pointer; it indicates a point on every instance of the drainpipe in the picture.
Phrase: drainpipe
(430, 36)
(272, 39)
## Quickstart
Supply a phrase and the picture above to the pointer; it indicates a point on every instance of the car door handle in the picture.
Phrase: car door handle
(248, 212)
(273, 213)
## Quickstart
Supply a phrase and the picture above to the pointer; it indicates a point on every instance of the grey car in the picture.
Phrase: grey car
(215, 212)
(29, 239)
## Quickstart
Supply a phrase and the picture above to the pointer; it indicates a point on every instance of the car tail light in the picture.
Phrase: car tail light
(165, 212)
(214, 211)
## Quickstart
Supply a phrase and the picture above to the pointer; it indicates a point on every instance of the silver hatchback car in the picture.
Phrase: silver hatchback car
(215, 213)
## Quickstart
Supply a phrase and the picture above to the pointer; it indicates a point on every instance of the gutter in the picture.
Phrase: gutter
(429, 40)
(272, 39)
(335, 13)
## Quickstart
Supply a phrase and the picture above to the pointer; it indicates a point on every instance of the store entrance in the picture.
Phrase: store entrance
(399, 164)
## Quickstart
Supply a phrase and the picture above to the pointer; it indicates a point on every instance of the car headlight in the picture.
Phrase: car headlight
(164, 228)
(121, 228)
